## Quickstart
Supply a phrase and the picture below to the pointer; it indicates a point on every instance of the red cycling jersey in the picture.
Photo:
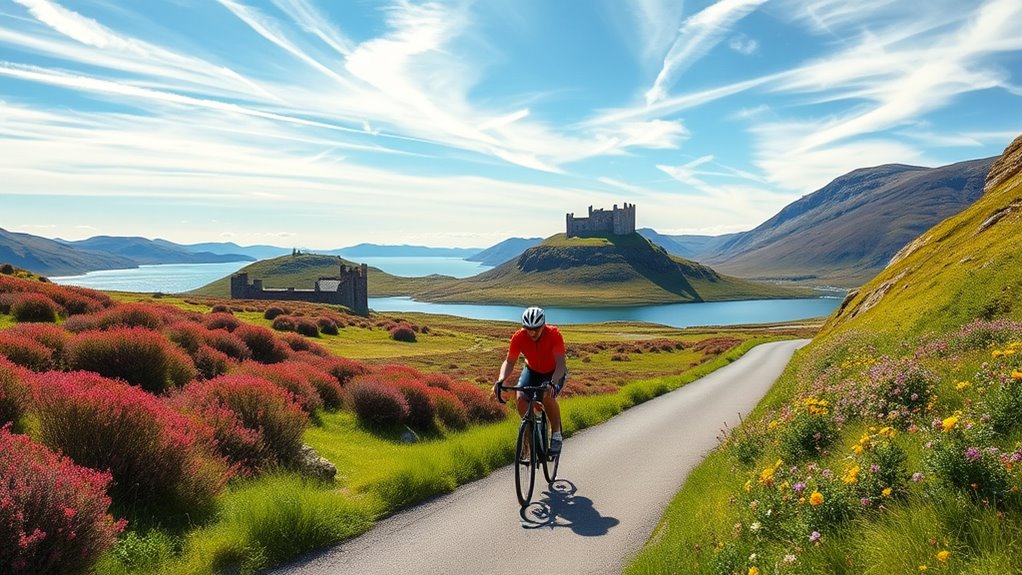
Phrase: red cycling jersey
(539, 355)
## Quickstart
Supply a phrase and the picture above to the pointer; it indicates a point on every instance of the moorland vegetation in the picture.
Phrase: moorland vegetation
(142, 433)
(893, 442)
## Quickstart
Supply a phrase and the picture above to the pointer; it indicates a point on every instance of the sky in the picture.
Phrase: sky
(322, 124)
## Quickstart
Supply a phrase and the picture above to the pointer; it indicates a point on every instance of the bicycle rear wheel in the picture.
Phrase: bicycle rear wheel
(550, 463)
(525, 464)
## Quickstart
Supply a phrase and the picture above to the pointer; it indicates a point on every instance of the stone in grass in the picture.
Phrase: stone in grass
(311, 464)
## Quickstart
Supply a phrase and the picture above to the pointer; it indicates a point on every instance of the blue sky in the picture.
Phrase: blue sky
(323, 124)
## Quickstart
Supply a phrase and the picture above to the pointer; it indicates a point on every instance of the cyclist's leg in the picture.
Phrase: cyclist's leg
(553, 409)
(523, 400)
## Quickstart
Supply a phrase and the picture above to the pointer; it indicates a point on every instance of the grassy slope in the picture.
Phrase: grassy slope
(957, 272)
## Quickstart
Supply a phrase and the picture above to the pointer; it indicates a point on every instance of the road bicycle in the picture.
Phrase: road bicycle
(534, 431)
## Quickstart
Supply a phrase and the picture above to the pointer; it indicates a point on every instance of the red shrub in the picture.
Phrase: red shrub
(284, 323)
(25, 352)
(34, 307)
(327, 326)
(272, 312)
(139, 356)
(449, 409)
(298, 343)
(211, 362)
(343, 369)
(265, 347)
(421, 413)
(288, 375)
(313, 369)
(222, 321)
(188, 335)
(157, 459)
(220, 308)
(441, 380)
(53, 513)
(81, 322)
(51, 336)
(132, 315)
(13, 392)
(376, 403)
(481, 408)
(393, 373)
(402, 332)
(307, 327)
(228, 343)
(258, 406)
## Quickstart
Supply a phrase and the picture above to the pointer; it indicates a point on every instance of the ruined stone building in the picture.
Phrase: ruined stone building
(616, 221)
(349, 288)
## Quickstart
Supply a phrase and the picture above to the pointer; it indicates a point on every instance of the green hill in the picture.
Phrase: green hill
(892, 443)
(598, 271)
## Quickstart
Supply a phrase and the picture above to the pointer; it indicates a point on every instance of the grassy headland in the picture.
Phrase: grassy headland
(599, 271)
(893, 442)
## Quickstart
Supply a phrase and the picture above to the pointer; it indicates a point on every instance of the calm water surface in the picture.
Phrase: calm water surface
(176, 278)
(674, 315)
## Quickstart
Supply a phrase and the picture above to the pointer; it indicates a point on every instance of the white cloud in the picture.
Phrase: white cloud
(698, 35)
(743, 44)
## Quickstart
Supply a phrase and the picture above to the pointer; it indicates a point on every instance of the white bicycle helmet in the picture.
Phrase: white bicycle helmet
(533, 318)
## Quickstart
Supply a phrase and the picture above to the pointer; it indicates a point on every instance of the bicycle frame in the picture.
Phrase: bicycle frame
(536, 429)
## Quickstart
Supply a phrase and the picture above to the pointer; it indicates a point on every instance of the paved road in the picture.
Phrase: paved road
(618, 478)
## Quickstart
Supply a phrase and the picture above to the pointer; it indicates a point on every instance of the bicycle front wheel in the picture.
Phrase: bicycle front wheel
(525, 464)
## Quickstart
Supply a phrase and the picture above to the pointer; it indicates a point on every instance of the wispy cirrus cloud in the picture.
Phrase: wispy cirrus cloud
(698, 35)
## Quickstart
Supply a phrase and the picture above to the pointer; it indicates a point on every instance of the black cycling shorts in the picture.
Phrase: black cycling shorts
(530, 377)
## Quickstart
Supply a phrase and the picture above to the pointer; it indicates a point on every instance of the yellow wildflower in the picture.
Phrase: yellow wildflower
(748, 486)
(888, 432)
(886, 492)
(949, 423)
(1016, 374)
(753, 570)
(943, 556)
(962, 385)
(857, 449)
(922, 568)
(851, 475)
(996, 353)
(816, 499)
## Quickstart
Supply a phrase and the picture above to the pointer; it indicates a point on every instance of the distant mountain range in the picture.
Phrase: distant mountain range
(842, 234)
(506, 250)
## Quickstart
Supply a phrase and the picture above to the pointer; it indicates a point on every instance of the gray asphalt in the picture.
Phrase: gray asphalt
(616, 479)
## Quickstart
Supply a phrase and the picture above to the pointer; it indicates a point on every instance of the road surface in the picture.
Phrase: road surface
(616, 479)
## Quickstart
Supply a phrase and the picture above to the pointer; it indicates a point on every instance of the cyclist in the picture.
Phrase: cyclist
(543, 348)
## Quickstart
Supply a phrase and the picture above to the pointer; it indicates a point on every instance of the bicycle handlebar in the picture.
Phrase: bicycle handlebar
(501, 387)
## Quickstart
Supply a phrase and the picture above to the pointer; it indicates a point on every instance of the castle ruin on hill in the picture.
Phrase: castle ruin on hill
(616, 221)
(350, 289)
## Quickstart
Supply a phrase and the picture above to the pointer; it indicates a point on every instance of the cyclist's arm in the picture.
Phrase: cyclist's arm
(560, 369)
(506, 368)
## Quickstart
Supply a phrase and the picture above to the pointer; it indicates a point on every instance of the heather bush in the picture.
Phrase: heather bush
(6, 301)
(308, 328)
(136, 355)
(220, 308)
(34, 307)
(25, 352)
(289, 376)
(187, 335)
(222, 321)
(53, 513)
(402, 333)
(298, 343)
(265, 347)
(440, 380)
(82, 322)
(7, 269)
(421, 412)
(272, 312)
(256, 423)
(450, 411)
(958, 460)
(228, 343)
(284, 323)
(343, 369)
(158, 458)
(53, 337)
(210, 362)
(326, 385)
(327, 326)
(13, 392)
(894, 390)
(376, 403)
(131, 315)
(478, 405)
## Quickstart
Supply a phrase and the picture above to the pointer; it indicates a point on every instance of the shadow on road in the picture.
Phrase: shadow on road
(561, 506)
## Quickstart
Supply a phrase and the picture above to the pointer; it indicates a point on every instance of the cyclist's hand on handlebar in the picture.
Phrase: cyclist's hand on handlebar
(496, 391)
